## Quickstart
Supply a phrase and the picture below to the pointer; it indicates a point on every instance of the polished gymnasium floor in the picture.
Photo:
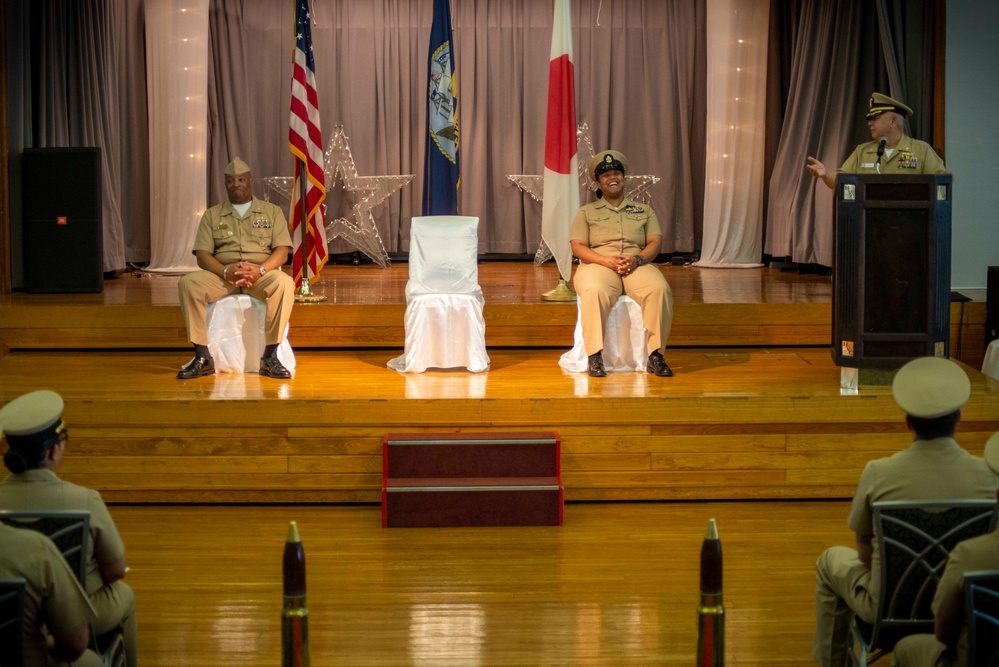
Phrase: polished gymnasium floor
(204, 475)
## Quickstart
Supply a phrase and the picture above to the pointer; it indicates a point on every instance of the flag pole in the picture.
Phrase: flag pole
(304, 294)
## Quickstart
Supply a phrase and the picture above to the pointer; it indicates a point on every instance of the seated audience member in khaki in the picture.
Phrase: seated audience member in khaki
(57, 613)
(36, 439)
(241, 245)
(890, 150)
(949, 646)
(931, 391)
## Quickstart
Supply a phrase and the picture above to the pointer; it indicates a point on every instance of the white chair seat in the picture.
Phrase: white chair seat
(625, 340)
(444, 323)
(236, 335)
(990, 365)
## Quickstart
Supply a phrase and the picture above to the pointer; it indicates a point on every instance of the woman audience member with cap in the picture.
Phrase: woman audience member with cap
(36, 440)
(616, 239)
(890, 151)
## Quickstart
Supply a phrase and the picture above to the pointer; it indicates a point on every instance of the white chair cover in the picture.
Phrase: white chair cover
(444, 323)
(236, 335)
(625, 340)
(990, 365)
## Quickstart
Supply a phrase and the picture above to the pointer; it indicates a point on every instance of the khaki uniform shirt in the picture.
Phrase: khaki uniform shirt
(252, 238)
(611, 231)
(41, 489)
(936, 469)
(53, 597)
(911, 156)
(978, 553)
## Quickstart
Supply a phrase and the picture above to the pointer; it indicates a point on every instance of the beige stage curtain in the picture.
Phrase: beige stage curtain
(176, 57)
(737, 79)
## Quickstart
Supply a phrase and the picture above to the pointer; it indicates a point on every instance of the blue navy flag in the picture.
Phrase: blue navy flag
(441, 166)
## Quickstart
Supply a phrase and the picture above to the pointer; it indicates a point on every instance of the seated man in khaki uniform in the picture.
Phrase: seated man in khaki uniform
(241, 245)
(931, 391)
(949, 647)
(890, 151)
(54, 606)
(36, 441)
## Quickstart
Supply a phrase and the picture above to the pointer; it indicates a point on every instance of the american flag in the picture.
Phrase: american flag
(305, 140)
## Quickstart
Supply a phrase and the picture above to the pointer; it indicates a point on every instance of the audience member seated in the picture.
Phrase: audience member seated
(57, 612)
(931, 391)
(36, 440)
(616, 239)
(949, 648)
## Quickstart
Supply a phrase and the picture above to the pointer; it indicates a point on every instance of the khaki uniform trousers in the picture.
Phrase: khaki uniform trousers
(842, 589)
(115, 607)
(199, 288)
(598, 289)
(921, 651)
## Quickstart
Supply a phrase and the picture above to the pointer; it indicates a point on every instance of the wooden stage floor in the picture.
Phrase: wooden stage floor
(754, 411)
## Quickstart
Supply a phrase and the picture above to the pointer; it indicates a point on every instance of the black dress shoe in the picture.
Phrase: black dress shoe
(595, 366)
(196, 368)
(658, 366)
(273, 368)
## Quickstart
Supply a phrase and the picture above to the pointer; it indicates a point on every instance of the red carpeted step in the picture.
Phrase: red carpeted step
(471, 479)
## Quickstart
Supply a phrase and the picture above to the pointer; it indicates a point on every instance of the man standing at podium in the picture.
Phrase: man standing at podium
(890, 151)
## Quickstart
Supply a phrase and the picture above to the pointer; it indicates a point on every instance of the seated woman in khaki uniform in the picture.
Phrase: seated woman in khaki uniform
(616, 239)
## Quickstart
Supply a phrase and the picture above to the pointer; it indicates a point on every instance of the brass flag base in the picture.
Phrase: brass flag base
(560, 293)
(305, 295)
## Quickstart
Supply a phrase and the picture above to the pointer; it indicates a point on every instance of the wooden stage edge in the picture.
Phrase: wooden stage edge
(754, 412)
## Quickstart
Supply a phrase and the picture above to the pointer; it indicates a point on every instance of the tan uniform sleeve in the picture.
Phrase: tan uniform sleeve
(203, 239)
(108, 545)
(65, 606)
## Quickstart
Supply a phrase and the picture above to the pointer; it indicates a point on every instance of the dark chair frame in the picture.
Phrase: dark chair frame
(915, 540)
(70, 531)
(981, 599)
(12, 592)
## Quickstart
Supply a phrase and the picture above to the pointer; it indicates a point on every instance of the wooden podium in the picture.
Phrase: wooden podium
(891, 269)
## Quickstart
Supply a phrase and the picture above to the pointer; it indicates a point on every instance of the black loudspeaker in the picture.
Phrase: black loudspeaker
(891, 274)
(992, 305)
(63, 233)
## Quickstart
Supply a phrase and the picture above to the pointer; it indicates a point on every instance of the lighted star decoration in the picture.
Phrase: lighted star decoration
(636, 186)
(368, 192)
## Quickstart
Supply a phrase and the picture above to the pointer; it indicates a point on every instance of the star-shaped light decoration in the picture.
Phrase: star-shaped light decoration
(636, 186)
(368, 191)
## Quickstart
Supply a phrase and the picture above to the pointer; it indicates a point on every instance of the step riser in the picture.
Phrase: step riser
(458, 508)
(468, 460)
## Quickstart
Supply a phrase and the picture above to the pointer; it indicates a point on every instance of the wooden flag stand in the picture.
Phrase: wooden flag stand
(304, 294)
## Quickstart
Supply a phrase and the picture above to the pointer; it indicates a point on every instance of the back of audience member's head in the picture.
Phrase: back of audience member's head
(931, 391)
(31, 425)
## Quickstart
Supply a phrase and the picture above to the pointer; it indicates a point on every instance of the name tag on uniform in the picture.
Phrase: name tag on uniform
(867, 165)
(907, 160)
(261, 223)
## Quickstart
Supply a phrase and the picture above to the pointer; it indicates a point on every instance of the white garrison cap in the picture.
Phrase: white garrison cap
(992, 453)
(931, 387)
(31, 413)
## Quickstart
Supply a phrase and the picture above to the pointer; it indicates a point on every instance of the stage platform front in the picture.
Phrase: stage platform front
(754, 411)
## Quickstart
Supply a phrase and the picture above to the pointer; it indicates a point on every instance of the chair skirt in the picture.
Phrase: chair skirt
(236, 335)
(625, 340)
(444, 331)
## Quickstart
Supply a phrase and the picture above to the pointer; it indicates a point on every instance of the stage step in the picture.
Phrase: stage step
(471, 479)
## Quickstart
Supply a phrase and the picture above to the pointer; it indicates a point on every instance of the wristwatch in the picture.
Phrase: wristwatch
(262, 270)
(639, 261)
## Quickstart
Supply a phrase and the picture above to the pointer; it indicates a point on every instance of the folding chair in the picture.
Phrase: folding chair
(981, 599)
(916, 539)
(70, 531)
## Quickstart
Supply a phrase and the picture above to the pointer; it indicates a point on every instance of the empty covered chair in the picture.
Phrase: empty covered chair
(444, 323)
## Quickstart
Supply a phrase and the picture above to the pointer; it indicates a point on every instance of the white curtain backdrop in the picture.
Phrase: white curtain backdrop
(736, 118)
(177, 69)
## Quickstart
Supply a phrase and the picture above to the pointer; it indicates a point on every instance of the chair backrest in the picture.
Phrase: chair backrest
(981, 598)
(12, 621)
(443, 255)
(68, 529)
(916, 539)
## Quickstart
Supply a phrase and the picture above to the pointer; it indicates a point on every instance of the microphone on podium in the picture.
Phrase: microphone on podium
(882, 143)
